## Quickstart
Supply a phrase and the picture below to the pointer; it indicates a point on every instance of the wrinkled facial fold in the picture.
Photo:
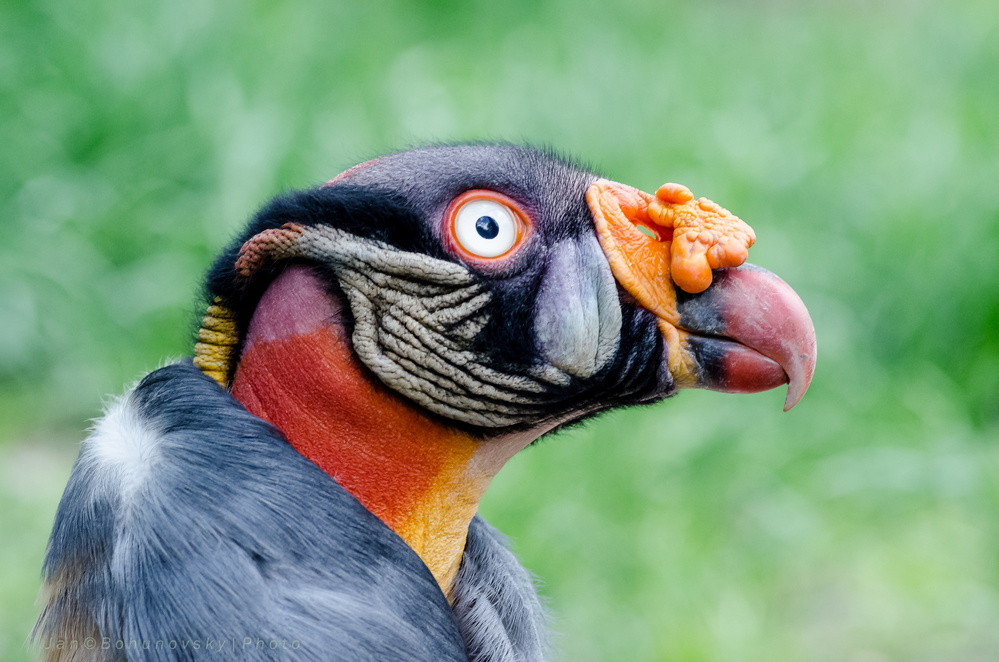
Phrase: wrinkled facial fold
(422, 325)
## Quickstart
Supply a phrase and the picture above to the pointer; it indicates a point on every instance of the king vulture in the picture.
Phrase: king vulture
(374, 350)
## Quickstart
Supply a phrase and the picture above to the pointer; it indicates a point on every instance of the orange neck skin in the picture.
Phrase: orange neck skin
(421, 477)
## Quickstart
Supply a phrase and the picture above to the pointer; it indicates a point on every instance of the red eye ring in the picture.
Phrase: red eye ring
(457, 230)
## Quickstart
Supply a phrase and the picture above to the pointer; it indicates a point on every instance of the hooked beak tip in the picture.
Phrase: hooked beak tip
(798, 383)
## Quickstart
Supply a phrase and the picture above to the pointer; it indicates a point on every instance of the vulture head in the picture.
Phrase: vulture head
(413, 323)
(373, 351)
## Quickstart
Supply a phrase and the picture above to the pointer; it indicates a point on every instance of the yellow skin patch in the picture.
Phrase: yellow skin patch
(681, 362)
(437, 523)
(218, 337)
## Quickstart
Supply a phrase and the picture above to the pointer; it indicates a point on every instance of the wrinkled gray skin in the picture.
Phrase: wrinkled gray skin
(577, 318)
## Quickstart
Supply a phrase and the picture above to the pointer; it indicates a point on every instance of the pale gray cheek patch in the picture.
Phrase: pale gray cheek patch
(578, 316)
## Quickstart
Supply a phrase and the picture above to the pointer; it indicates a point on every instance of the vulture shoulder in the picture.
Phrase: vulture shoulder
(185, 510)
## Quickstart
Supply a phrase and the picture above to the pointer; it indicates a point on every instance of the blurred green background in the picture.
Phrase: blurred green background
(860, 139)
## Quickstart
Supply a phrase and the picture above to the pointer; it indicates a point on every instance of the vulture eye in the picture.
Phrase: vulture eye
(485, 223)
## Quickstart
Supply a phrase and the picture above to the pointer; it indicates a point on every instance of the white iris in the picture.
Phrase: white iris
(485, 228)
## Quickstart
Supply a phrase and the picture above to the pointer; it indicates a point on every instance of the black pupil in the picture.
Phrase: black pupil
(487, 227)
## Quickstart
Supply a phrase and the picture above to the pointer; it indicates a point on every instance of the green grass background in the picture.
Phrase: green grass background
(860, 139)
